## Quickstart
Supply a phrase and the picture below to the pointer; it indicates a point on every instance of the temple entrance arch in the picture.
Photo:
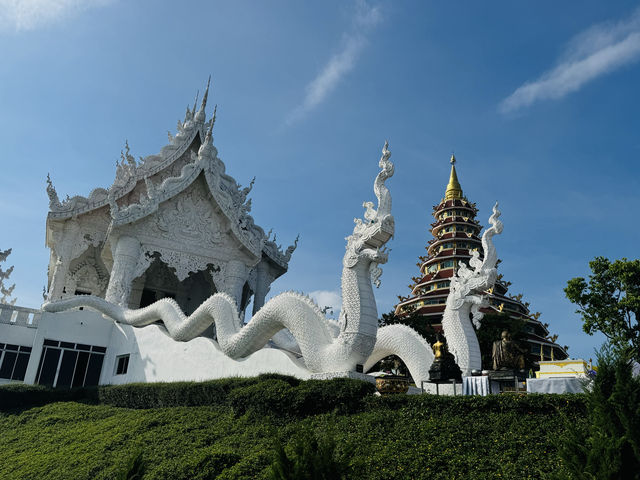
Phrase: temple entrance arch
(160, 281)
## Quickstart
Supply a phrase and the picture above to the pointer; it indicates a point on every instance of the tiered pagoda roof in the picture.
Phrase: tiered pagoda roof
(456, 233)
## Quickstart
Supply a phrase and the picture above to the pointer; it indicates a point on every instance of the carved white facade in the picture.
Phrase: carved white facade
(325, 346)
(177, 213)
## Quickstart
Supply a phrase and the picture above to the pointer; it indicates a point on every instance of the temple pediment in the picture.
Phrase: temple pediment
(179, 206)
(190, 221)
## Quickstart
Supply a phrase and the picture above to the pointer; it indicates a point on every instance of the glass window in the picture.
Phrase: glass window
(49, 366)
(122, 364)
(69, 365)
(21, 366)
(93, 369)
(81, 369)
(8, 362)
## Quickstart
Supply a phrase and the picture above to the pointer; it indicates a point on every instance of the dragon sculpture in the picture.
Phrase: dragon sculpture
(325, 345)
(463, 303)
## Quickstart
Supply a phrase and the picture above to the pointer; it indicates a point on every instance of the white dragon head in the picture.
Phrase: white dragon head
(370, 235)
(467, 282)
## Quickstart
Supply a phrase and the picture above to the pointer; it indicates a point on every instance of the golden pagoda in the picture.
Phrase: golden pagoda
(456, 234)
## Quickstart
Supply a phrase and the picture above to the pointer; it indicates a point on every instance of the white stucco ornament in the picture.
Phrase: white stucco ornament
(179, 208)
(325, 345)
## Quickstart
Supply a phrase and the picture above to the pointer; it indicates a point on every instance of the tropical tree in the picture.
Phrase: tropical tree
(610, 301)
(609, 448)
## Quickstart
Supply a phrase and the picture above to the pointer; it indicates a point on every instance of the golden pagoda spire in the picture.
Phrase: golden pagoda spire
(454, 190)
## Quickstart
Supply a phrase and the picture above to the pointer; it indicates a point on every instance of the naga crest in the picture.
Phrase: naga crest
(482, 274)
(370, 234)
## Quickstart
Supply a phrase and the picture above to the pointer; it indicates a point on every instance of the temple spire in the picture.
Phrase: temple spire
(200, 115)
(454, 190)
(206, 95)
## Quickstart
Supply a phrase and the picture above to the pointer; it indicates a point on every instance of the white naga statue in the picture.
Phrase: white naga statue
(294, 322)
(325, 345)
(465, 298)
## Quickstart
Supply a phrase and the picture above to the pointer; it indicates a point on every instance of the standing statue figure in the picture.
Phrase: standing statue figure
(506, 354)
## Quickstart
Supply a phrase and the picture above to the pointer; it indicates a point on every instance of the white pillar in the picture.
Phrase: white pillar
(262, 286)
(125, 258)
(58, 279)
(236, 273)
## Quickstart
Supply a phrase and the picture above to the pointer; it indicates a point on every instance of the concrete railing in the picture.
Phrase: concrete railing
(21, 316)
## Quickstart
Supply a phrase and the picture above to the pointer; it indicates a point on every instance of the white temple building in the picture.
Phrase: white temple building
(149, 281)
(171, 225)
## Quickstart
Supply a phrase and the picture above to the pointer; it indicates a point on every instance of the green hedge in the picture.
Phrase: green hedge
(18, 396)
(231, 436)
(428, 405)
(287, 397)
(312, 397)
(268, 394)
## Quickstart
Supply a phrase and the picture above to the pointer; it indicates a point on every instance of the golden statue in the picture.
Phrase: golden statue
(437, 348)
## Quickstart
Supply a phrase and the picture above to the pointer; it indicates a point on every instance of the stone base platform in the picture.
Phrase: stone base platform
(355, 375)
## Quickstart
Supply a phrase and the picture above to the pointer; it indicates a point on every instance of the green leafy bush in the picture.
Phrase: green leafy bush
(134, 469)
(610, 447)
(313, 458)
(400, 437)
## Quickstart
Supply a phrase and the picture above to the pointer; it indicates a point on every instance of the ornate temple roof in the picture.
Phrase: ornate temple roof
(141, 186)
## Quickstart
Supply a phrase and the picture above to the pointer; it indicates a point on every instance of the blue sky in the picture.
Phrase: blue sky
(539, 101)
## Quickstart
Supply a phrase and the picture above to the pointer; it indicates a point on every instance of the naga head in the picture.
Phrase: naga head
(483, 273)
(366, 243)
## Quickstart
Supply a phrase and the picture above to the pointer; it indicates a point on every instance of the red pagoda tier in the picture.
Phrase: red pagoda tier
(456, 233)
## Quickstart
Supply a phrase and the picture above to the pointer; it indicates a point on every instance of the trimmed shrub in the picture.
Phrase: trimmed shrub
(427, 405)
(177, 394)
(19, 396)
(311, 397)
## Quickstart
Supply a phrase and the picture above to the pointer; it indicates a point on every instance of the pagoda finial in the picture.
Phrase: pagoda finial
(454, 190)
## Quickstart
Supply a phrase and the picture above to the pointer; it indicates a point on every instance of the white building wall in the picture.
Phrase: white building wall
(79, 326)
(155, 357)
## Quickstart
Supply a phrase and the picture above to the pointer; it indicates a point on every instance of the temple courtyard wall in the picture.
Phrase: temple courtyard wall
(81, 347)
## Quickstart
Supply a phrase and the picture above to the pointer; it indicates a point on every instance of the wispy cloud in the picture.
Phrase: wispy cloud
(366, 17)
(22, 15)
(599, 50)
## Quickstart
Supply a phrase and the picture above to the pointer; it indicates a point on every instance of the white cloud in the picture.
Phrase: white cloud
(366, 17)
(328, 298)
(22, 15)
(599, 50)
